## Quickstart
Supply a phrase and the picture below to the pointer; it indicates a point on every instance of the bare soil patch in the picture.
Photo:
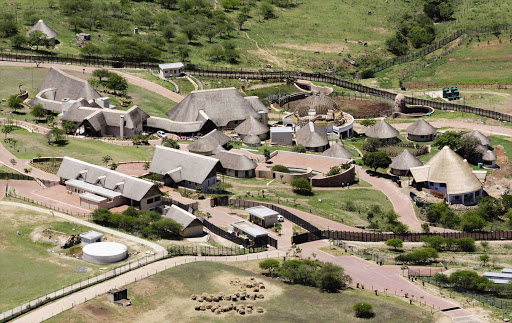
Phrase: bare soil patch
(317, 47)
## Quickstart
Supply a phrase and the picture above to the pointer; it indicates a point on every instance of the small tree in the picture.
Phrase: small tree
(367, 122)
(425, 227)
(241, 19)
(38, 112)
(395, 243)
(335, 170)
(271, 265)
(14, 102)
(280, 168)
(68, 126)
(331, 278)
(37, 38)
(106, 159)
(89, 50)
(301, 186)
(101, 73)
(484, 259)
(299, 149)
(375, 160)
(451, 139)
(364, 310)
(266, 153)
(146, 165)
(7, 129)
(116, 83)
(171, 143)
(114, 166)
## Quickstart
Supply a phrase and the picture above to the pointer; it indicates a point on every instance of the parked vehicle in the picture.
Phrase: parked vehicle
(161, 134)
(280, 218)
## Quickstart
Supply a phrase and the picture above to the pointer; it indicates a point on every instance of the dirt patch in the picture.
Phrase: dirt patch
(317, 47)
(98, 312)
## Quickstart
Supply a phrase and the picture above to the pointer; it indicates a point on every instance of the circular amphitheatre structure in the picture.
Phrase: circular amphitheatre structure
(105, 252)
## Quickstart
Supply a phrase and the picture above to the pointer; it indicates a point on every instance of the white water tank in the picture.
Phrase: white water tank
(105, 252)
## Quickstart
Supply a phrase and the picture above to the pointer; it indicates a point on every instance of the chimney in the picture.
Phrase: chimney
(264, 117)
(121, 126)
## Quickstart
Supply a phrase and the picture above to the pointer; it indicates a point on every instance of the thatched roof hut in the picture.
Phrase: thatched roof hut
(251, 126)
(478, 135)
(44, 28)
(489, 156)
(382, 130)
(312, 136)
(402, 163)
(209, 142)
(252, 140)
(448, 168)
(235, 161)
(338, 151)
(421, 128)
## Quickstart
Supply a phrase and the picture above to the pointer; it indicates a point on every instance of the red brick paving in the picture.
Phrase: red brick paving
(132, 169)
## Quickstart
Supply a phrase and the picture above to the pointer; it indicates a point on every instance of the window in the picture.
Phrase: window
(150, 201)
(157, 198)
(442, 185)
(236, 173)
(110, 200)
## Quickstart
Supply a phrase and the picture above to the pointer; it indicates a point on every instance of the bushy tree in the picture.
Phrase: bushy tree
(395, 243)
(267, 10)
(397, 44)
(280, 168)
(469, 280)
(38, 111)
(301, 186)
(363, 310)
(335, 170)
(117, 83)
(471, 221)
(469, 149)
(271, 265)
(419, 256)
(90, 50)
(375, 160)
(8, 29)
(441, 213)
(439, 10)
(299, 149)
(331, 278)
(299, 271)
(451, 139)
(14, 102)
(466, 244)
(171, 143)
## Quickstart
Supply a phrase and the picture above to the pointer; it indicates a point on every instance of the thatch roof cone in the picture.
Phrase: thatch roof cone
(489, 156)
(405, 161)
(44, 28)
(449, 168)
(381, 130)
(251, 126)
(338, 151)
(312, 136)
(478, 135)
(320, 103)
(252, 140)
(235, 161)
(209, 142)
(421, 128)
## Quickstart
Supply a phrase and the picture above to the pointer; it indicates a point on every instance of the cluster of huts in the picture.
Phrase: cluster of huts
(446, 174)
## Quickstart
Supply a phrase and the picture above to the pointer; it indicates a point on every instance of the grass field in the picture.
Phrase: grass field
(154, 301)
(31, 145)
(29, 269)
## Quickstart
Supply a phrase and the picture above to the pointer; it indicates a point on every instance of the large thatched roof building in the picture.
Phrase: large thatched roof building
(421, 130)
(44, 28)
(382, 131)
(403, 162)
(448, 174)
(226, 108)
(58, 88)
(209, 143)
(338, 151)
(312, 137)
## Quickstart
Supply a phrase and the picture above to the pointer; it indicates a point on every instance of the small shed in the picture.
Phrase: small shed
(90, 237)
(489, 159)
(171, 69)
(191, 226)
(262, 216)
(251, 231)
(281, 136)
(119, 296)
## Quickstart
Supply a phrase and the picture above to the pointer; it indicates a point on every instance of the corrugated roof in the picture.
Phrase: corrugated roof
(171, 65)
(251, 229)
(381, 130)
(311, 136)
(194, 167)
(261, 211)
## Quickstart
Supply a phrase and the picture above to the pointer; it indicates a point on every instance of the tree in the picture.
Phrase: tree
(397, 44)
(15, 102)
(241, 18)
(38, 111)
(190, 30)
(58, 136)
(37, 38)
(280, 168)
(484, 259)
(230, 4)
(171, 143)
(466, 244)
(106, 159)
(266, 153)
(363, 310)
(367, 122)
(301, 186)
(331, 278)
(146, 165)
(395, 243)
(489, 208)
(425, 227)
(451, 139)
(335, 170)
(375, 160)
(271, 265)
(19, 41)
(441, 213)
(101, 73)
(471, 221)
(168, 33)
(90, 50)
(435, 242)
(7, 129)
(266, 10)
(469, 149)
(8, 29)
(68, 126)
(116, 83)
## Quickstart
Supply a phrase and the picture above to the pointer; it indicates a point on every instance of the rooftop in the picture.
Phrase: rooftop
(250, 229)
(261, 211)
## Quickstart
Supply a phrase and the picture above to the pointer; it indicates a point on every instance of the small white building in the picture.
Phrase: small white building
(262, 216)
(281, 136)
(171, 69)
(90, 237)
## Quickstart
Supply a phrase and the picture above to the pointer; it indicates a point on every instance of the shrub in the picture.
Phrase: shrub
(395, 243)
(331, 278)
(435, 242)
(466, 244)
(269, 264)
(471, 221)
(335, 170)
(299, 149)
(419, 256)
(469, 280)
(299, 271)
(301, 186)
(375, 160)
(441, 278)
(364, 310)
(280, 168)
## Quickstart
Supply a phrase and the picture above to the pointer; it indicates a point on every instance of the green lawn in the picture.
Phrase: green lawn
(153, 300)
(29, 269)
(5, 169)
(31, 145)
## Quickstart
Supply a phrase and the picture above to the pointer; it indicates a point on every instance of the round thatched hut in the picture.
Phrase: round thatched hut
(383, 131)
(421, 130)
(252, 140)
(484, 141)
(489, 159)
(338, 151)
(252, 126)
(403, 162)
(312, 137)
